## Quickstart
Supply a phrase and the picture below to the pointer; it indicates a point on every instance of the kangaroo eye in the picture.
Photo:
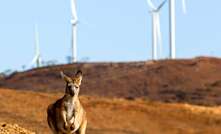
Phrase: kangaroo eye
(76, 86)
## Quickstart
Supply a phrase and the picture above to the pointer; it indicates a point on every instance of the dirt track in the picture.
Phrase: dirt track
(195, 81)
(112, 116)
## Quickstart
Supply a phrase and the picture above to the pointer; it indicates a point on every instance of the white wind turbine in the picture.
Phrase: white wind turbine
(74, 22)
(37, 58)
(156, 32)
(172, 26)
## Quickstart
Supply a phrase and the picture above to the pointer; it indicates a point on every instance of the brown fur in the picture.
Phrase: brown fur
(66, 115)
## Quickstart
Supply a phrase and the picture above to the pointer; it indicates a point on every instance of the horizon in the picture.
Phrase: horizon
(9, 72)
(106, 32)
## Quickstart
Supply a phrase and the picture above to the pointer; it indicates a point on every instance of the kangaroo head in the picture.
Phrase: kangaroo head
(72, 83)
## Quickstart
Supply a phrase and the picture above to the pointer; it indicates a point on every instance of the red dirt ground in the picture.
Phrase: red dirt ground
(195, 81)
(111, 116)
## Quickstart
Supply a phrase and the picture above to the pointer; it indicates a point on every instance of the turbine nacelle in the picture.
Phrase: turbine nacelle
(153, 7)
(74, 22)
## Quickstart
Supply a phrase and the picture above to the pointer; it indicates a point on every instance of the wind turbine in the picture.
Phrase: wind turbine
(37, 58)
(172, 26)
(74, 22)
(156, 32)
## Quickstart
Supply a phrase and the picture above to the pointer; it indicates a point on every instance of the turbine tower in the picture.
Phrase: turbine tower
(37, 58)
(74, 22)
(172, 26)
(156, 32)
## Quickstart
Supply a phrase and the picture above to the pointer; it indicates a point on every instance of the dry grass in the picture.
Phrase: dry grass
(196, 81)
(113, 116)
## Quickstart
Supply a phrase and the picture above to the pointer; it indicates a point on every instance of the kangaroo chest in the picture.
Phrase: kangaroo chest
(70, 108)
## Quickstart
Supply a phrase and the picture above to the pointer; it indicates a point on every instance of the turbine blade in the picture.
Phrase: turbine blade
(151, 5)
(37, 49)
(161, 5)
(74, 9)
(34, 60)
(184, 6)
(37, 57)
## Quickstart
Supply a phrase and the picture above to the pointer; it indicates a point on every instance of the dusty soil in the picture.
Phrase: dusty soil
(13, 129)
(195, 81)
(112, 116)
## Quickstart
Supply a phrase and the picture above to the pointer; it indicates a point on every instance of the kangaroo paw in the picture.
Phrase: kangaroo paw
(72, 126)
(65, 126)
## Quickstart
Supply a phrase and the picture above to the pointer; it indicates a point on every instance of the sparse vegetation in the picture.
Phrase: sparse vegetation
(196, 81)
(115, 116)
(123, 98)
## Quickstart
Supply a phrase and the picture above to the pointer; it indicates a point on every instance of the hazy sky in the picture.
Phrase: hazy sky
(109, 30)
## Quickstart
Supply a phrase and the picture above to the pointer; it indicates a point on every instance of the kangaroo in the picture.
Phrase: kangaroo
(66, 115)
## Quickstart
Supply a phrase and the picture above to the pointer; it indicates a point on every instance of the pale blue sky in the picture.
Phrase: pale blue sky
(109, 30)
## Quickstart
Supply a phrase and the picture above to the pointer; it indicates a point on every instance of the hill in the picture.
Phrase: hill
(195, 81)
(111, 116)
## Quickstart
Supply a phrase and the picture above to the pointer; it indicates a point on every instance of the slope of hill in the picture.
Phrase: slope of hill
(196, 81)
(112, 116)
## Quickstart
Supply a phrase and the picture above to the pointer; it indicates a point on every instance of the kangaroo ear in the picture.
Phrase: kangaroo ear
(65, 77)
(79, 76)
